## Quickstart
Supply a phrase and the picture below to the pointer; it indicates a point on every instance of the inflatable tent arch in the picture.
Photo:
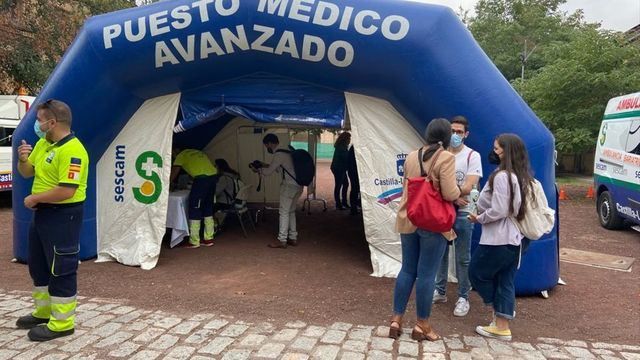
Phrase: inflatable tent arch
(400, 62)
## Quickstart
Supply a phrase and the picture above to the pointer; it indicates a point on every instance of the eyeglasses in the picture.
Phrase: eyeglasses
(49, 106)
(459, 132)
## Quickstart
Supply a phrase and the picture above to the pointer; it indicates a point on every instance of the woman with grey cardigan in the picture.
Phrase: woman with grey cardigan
(496, 260)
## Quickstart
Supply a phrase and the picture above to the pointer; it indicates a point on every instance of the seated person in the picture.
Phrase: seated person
(227, 187)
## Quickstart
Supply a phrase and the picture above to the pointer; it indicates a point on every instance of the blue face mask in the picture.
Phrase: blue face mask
(456, 140)
(36, 128)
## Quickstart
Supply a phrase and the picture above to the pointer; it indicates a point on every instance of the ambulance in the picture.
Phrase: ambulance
(12, 109)
(617, 164)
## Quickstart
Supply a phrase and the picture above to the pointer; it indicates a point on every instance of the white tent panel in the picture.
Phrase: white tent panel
(132, 201)
(239, 143)
(382, 139)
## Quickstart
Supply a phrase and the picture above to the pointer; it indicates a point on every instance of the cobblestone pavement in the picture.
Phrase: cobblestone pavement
(108, 329)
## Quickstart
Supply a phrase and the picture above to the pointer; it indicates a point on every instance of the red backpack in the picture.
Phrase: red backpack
(425, 207)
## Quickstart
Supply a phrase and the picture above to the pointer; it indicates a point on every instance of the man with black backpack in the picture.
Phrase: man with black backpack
(290, 188)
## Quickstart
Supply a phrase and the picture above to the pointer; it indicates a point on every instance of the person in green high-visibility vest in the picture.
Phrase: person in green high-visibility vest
(204, 174)
(59, 165)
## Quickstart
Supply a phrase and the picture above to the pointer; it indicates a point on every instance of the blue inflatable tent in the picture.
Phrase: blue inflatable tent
(135, 77)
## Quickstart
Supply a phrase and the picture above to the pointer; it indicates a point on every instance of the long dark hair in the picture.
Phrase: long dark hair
(515, 161)
(223, 166)
(343, 140)
(438, 134)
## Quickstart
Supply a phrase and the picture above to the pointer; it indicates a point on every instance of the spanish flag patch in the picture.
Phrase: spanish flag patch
(75, 165)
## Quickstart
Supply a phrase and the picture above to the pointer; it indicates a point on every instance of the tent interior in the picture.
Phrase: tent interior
(229, 121)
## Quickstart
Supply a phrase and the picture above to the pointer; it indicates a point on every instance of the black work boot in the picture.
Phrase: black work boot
(42, 333)
(30, 321)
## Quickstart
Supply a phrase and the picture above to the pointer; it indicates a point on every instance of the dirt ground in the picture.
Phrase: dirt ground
(326, 278)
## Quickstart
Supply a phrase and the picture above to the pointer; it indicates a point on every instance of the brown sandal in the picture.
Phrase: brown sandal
(395, 331)
(425, 334)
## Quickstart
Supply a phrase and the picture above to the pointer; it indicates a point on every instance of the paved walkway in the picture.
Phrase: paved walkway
(108, 329)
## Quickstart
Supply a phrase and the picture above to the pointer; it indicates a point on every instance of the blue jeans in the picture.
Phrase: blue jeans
(493, 272)
(421, 254)
(201, 197)
(464, 229)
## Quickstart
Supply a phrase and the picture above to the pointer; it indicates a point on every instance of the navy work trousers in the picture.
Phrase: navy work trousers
(201, 197)
(54, 244)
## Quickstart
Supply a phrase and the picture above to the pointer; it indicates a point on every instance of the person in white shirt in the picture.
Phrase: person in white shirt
(290, 191)
(468, 173)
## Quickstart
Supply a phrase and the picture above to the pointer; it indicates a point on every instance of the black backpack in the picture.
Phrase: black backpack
(302, 164)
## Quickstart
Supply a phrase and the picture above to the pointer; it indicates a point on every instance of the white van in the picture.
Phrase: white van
(617, 163)
(12, 109)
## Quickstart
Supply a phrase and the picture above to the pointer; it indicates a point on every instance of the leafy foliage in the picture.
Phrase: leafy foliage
(36, 33)
(502, 27)
(575, 67)
(571, 93)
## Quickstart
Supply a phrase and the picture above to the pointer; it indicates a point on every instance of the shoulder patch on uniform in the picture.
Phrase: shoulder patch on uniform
(75, 166)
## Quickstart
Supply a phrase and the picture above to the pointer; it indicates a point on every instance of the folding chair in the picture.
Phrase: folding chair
(240, 208)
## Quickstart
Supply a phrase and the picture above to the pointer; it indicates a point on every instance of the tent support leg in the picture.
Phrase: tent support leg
(307, 203)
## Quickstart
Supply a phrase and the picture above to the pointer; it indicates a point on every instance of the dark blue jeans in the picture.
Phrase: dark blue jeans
(201, 197)
(421, 254)
(464, 229)
(492, 273)
(341, 187)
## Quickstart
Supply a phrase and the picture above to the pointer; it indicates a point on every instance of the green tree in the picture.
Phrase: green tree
(570, 93)
(502, 27)
(36, 33)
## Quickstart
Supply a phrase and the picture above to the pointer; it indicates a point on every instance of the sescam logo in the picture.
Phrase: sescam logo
(147, 165)
(119, 173)
(603, 134)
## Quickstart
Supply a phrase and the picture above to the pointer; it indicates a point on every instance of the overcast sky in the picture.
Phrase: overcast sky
(619, 15)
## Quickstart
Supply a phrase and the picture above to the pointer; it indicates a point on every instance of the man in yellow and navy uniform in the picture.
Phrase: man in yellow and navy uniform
(201, 197)
(59, 165)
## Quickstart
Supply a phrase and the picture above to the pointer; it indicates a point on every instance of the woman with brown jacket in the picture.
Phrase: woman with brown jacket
(422, 249)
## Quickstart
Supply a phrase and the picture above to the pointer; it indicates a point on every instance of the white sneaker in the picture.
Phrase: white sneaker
(438, 298)
(462, 307)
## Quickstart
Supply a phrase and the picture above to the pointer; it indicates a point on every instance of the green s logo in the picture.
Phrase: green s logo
(603, 135)
(146, 166)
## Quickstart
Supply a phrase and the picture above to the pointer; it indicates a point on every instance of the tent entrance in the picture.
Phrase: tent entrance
(131, 231)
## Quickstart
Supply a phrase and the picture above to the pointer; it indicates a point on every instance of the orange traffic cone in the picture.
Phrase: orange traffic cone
(563, 194)
(590, 193)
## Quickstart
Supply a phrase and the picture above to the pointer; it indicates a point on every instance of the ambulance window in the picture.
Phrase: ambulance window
(615, 134)
(633, 143)
(5, 135)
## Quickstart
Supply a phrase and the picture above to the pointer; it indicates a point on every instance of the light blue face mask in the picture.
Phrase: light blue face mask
(456, 140)
(36, 128)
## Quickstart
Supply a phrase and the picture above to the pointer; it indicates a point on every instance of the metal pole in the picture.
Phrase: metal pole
(523, 58)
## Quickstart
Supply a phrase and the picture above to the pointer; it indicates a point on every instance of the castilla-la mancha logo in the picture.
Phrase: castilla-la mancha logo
(391, 186)
(400, 159)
